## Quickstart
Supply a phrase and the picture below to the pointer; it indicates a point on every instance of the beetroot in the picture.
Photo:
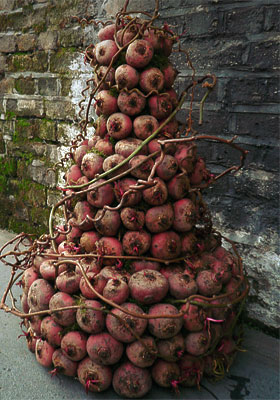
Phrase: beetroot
(111, 247)
(92, 165)
(104, 349)
(159, 219)
(143, 264)
(142, 353)
(107, 32)
(192, 369)
(109, 80)
(181, 286)
(105, 50)
(166, 245)
(63, 365)
(51, 331)
(208, 283)
(160, 106)
(73, 174)
(126, 147)
(97, 281)
(119, 330)
(184, 215)
(90, 320)
(144, 170)
(112, 161)
(156, 195)
(136, 242)
(167, 168)
(131, 381)
(132, 219)
(144, 126)
(178, 186)
(197, 343)
(29, 276)
(116, 290)
(151, 79)
(68, 282)
(119, 126)
(122, 186)
(106, 103)
(64, 317)
(44, 352)
(94, 377)
(39, 295)
(131, 103)
(104, 147)
(83, 210)
(171, 349)
(164, 328)
(73, 345)
(109, 224)
(148, 286)
(126, 76)
(139, 53)
(165, 373)
(194, 317)
(169, 73)
(88, 241)
(102, 196)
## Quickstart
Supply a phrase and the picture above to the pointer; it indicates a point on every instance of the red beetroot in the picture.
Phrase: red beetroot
(125, 147)
(126, 76)
(35, 324)
(105, 51)
(79, 154)
(131, 103)
(185, 155)
(189, 243)
(100, 126)
(24, 304)
(75, 232)
(159, 219)
(102, 196)
(44, 352)
(173, 125)
(63, 365)
(89, 265)
(182, 286)
(171, 349)
(132, 219)
(122, 186)
(109, 246)
(94, 377)
(51, 331)
(156, 195)
(167, 168)
(164, 328)
(194, 317)
(83, 210)
(169, 73)
(105, 147)
(121, 331)
(68, 281)
(88, 240)
(178, 186)
(232, 287)
(142, 353)
(29, 276)
(143, 264)
(108, 81)
(208, 283)
(166, 245)
(106, 103)
(39, 295)
(197, 343)
(160, 106)
(107, 32)
(139, 53)
(131, 382)
(144, 170)
(192, 369)
(91, 320)
(124, 36)
(73, 174)
(144, 126)
(199, 173)
(113, 160)
(152, 37)
(170, 269)
(184, 215)
(66, 317)
(109, 224)
(104, 349)
(136, 242)
(119, 126)
(148, 286)
(97, 281)
(116, 290)
(165, 373)
(154, 145)
(73, 345)
(151, 79)
(91, 165)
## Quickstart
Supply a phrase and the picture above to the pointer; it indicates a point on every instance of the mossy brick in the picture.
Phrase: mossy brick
(25, 85)
(59, 109)
(2, 144)
(7, 43)
(62, 132)
(7, 85)
(34, 194)
(37, 62)
(26, 42)
(61, 60)
(47, 40)
(71, 37)
(47, 87)
(39, 217)
(46, 129)
(7, 5)
(16, 21)
(2, 63)
(65, 85)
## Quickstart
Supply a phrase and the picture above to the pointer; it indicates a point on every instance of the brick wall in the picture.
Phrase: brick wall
(42, 75)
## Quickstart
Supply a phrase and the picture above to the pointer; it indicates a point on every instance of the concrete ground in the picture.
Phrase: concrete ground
(254, 374)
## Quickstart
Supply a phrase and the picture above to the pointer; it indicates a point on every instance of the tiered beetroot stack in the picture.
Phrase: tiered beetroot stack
(150, 291)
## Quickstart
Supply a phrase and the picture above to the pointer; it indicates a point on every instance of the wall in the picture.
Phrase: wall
(42, 75)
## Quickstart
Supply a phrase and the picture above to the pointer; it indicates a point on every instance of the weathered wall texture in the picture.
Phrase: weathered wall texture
(42, 74)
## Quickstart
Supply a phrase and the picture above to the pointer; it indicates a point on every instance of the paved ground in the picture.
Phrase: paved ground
(254, 374)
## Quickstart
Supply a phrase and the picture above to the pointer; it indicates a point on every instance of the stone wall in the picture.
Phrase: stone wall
(42, 74)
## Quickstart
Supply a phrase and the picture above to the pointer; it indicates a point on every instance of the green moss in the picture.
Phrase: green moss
(10, 115)
(40, 27)
(8, 169)
(23, 122)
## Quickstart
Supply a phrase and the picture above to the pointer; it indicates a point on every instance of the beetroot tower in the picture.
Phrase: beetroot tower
(135, 285)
